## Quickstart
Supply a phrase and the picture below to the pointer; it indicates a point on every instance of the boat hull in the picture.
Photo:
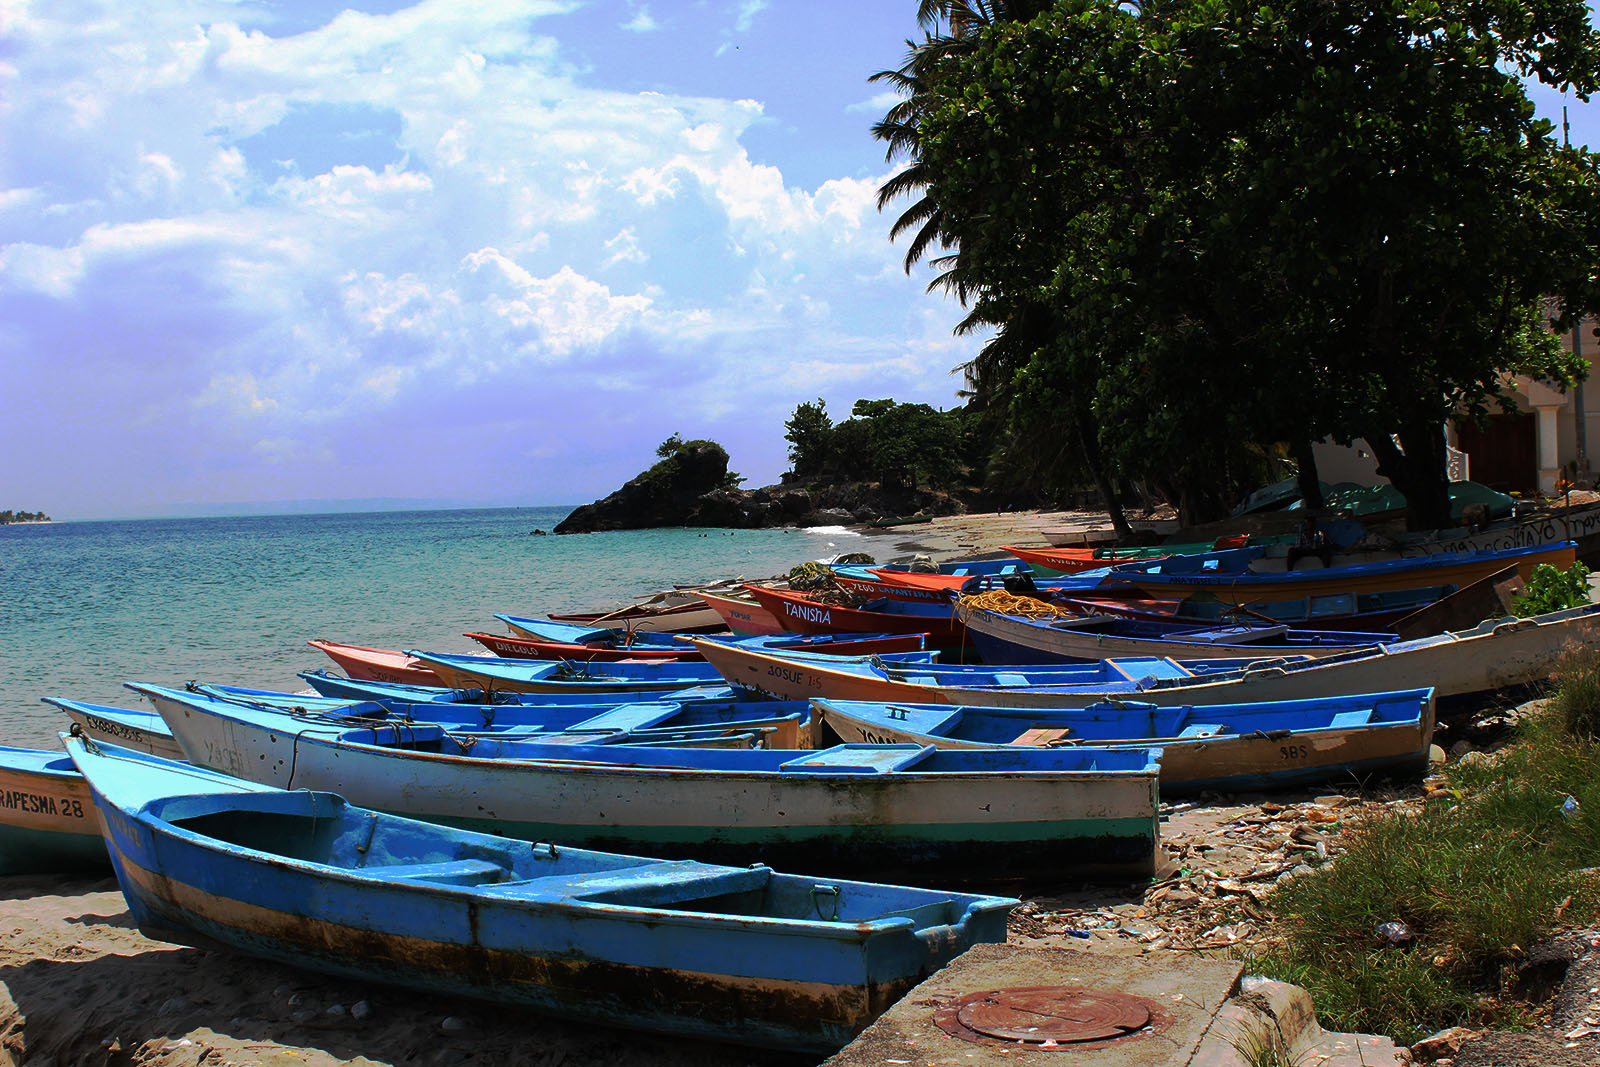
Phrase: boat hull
(377, 664)
(744, 616)
(1001, 828)
(1016, 639)
(721, 973)
(1229, 760)
(1494, 655)
(47, 823)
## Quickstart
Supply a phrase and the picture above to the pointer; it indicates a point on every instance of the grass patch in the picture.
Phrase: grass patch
(1475, 877)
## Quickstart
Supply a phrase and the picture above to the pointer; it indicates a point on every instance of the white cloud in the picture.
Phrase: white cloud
(517, 228)
(747, 12)
(876, 105)
(641, 22)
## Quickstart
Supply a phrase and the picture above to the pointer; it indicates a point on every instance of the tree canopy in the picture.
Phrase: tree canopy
(1201, 228)
(883, 441)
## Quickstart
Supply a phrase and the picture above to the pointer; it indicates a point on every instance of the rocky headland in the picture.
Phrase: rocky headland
(692, 486)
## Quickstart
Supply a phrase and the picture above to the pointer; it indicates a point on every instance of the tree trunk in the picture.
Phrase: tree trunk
(1305, 459)
(1108, 492)
(1419, 472)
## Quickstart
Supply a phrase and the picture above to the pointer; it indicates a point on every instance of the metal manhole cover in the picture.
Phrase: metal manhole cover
(1045, 1015)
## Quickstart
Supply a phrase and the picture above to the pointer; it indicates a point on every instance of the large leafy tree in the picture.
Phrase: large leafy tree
(1202, 226)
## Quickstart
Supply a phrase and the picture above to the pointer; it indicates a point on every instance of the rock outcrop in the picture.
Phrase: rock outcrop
(692, 488)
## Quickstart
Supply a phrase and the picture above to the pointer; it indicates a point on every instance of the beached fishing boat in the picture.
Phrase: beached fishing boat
(125, 727)
(47, 823)
(1220, 746)
(911, 813)
(602, 649)
(1232, 580)
(1496, 654)
(771, 724)
(742, 955)
(1003, 638)
(1334, 611)
(805, 615)
(395, 694)
(743, 615)
(549, 676)
(377, 664)
(669, 611)
(1056, 560)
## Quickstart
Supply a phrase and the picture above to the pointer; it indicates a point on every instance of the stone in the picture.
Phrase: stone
(361, 1009)
(1436, 1047)
(1461, 748)
(453, 1024)
(172, 1006)
(1436, 756)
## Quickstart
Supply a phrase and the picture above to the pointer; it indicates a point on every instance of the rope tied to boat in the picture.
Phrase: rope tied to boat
(1004, 602)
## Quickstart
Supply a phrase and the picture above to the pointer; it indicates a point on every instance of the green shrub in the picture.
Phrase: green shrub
(1552, 589)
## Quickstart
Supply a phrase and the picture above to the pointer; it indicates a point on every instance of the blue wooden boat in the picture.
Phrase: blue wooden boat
(144, 731)
(1335, 611)
(1003, 638)
(771, 724)
(618, 676)
(1219, 746)
(731, 954)
(747, 725)
(1495, 654)
(396, 693)
(47, 823)
(911, 813)
(1236, 581)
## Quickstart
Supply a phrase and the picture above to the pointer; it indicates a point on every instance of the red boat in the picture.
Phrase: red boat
(803, 614)
(377, 664)
(524, 648)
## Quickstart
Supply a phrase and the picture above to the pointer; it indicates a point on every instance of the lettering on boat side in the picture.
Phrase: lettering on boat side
(119, 823)
(222, 758)
(39, 804)
(1292, 751)
(113, 729)
(811, 613)
(794, 677)
(876, 739)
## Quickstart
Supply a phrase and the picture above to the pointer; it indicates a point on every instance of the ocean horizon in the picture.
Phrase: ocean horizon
(91, 604)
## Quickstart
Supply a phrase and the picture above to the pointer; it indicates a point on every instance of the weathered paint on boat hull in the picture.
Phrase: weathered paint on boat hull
(930, 829)
(1496, 654)
(1279, 759)
(721, 953)
(47, 823)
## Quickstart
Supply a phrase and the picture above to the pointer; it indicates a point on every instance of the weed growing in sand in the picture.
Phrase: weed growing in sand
(1472, 878)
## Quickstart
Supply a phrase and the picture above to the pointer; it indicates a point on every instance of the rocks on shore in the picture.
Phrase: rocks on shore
(692, 488)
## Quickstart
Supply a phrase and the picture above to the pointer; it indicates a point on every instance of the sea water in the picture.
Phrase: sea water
(86, 606)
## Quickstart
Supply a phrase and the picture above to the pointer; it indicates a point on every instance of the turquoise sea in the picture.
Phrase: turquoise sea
(85, 606)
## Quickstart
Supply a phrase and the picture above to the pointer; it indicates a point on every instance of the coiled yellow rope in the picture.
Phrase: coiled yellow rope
(1002, 602)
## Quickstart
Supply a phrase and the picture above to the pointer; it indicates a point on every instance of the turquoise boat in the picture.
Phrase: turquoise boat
(395, 694)
(1220, 746)
(912, 813)
(46, 821)
(741, 955)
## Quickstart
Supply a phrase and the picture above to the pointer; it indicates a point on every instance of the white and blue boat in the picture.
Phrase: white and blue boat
(1495, 654)
(742, 955)
(1217, 746)
(909, 813)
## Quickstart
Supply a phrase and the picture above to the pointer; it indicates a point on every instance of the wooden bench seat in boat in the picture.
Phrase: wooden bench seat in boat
(1043, 736)
(445, 872)
(1202, 729)
(861, 759)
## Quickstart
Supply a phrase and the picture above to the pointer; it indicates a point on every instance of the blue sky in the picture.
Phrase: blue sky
(493, 251)
(490, 251)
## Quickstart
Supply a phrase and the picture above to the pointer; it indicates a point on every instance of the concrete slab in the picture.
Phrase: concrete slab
(1185, 994)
